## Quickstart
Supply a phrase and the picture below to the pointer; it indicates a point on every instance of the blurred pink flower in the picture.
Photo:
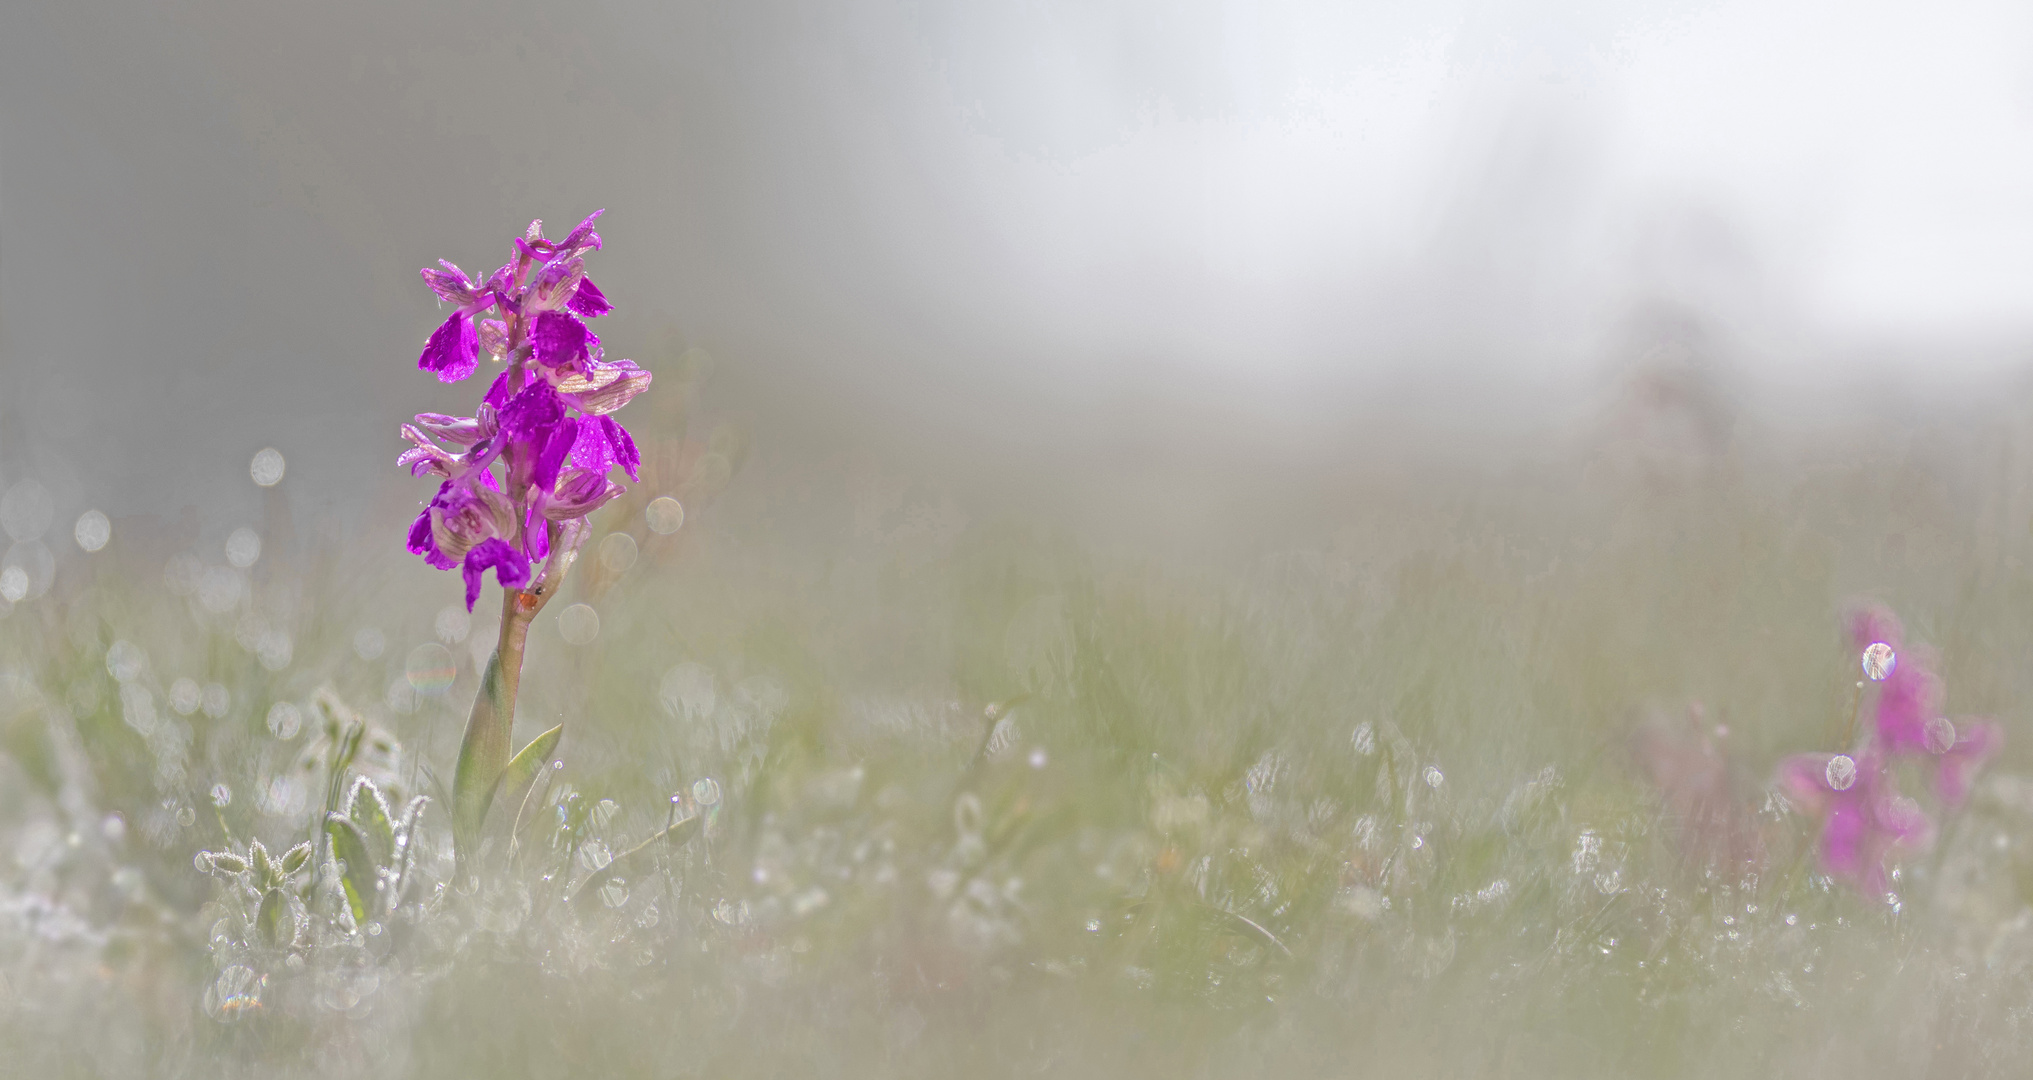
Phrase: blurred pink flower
(1863, 823)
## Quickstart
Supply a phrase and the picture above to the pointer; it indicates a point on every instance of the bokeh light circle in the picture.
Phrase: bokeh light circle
(579, 624)
(267, 467)
(430, 669)
(665, 515)
(92, 531)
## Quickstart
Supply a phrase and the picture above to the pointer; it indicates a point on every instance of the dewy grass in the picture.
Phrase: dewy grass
(1491, 780)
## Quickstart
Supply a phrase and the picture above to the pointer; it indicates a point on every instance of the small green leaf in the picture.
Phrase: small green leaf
(358, 880)
(258, 861)
(226, 861)
(483, 753)
(293, 860)
(676, 836)
(368, 812)
(405, 842)
(275, 921)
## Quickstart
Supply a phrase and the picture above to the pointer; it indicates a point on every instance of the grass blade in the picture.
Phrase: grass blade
(677, 836)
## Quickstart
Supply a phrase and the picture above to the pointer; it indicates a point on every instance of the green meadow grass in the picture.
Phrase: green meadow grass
(997, 798)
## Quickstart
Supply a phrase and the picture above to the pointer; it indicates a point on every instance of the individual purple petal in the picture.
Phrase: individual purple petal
(559, 338)
(452, 285)
(625, 453)
(508, 564)
(494, 337)
(556, 447)
(594, 450)
(580, 494)
(558, 282)
(583, 237)
(453, 350)
(537, 251)
(461, 430)
(604, 387)
(497, 393)
(536, 537)
(530, 414)
(589, 300)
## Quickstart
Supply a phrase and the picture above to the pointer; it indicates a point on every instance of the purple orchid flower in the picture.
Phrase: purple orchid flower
(1863, 822)
(553, 465)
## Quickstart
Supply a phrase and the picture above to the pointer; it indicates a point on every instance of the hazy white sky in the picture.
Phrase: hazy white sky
(1036, 221)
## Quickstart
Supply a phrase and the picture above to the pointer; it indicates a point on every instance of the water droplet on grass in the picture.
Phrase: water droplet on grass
(1434, 778)
(706, 792)
(222, 796)
(614, 892)
(186, 817)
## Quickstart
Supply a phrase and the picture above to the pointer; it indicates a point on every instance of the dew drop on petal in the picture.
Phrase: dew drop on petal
(1841, 772)
(1879, 661)
(267, 467)
(430, 669)
(1940, 735)
(706, 792)
(92, 531)
(665, 515)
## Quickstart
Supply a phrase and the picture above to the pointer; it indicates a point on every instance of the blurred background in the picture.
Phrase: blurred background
(1141, 259)
(1215, 537)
